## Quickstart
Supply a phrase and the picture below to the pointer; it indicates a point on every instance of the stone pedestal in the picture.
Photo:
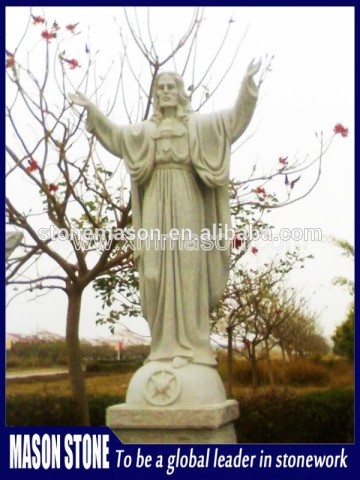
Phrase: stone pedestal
(174, 405)
(210, 424)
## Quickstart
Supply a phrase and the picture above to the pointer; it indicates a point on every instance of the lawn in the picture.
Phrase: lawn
(97, 384)
(316, 407)
(298, 377)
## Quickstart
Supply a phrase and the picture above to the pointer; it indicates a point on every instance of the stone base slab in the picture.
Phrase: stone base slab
(208, 424)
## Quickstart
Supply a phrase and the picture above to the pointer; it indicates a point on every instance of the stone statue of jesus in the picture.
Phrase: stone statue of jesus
(178, 161)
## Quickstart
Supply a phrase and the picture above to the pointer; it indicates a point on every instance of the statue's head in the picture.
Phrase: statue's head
(168, 91)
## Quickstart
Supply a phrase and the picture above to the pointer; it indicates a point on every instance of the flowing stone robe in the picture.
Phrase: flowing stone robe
(180, 180)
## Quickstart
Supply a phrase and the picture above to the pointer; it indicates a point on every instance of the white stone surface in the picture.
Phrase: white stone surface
(222, 435)
(174, 405)
(138, 424)
(159, 384)
(179, 163)
(210, 417)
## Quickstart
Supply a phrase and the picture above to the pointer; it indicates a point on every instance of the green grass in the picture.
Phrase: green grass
(298, 377)
(99, 383)
(312, 402)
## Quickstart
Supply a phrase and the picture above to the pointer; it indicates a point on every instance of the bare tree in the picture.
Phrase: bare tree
(255, 305)
(72, 188)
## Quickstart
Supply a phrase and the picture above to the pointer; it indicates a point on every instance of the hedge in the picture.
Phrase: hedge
(106, 366)
(50, 410)
(325, 416)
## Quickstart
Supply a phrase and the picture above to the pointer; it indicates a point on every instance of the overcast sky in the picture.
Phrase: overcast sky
(310, 89)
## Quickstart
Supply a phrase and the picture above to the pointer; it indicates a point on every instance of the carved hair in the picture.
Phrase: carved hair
(183, 107)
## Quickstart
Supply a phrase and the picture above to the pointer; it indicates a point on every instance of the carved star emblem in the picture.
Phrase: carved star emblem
(162, 388)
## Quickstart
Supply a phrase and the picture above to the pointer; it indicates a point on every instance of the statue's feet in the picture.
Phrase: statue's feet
(179, 362)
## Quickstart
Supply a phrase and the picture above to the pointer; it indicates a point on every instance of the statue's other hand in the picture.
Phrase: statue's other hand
(79, 99)
(253, 68)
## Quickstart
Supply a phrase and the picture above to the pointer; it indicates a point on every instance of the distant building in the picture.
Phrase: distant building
(11, 339)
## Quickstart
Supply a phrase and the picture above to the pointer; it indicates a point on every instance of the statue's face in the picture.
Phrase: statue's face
(167, 92)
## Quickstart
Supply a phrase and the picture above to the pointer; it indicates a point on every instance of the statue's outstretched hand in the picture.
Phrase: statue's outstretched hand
(253, 68)
(79, 99)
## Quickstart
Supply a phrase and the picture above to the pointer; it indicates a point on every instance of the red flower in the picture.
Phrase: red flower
(339, 128)
(260, 190)
(10, 61)
(283, 161)
(53, 187)
(46, 35)
(37, 19)
(71, 27)
(238, 241)
(73, 63)
(33, 165)
(254, 250)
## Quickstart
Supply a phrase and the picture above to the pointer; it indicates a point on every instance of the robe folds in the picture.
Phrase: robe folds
(179, 180)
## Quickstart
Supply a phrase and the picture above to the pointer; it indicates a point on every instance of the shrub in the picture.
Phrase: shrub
(98, 405)
(304, 372)
(136, 352)
(280, 417)
(50, 410)
(41, 353)
(29, 410)
(119, 366)
(299, 372)
(275, 417)
(242, 374)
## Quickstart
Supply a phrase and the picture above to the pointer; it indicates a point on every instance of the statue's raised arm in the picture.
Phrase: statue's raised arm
(106, 131)
(80, 99)
(244, 106)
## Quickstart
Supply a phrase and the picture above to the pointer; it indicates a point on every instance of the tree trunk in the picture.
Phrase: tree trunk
(283, 354)
(229, 383)
(74, 355)
(289, 354)
(269, 364)
(254, 372)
